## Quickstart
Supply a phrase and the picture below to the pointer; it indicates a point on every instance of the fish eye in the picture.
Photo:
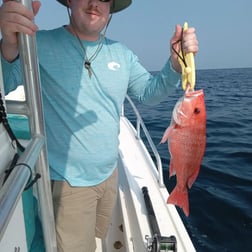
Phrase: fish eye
(196, 111)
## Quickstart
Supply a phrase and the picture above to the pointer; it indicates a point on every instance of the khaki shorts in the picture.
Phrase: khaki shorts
(83, 213)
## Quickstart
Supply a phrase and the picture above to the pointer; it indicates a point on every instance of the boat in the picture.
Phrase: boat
(141, 221)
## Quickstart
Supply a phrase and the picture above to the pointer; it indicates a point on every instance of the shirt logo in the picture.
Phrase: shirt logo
(114, 66)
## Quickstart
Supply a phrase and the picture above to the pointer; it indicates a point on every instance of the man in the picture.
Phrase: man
(85, 77)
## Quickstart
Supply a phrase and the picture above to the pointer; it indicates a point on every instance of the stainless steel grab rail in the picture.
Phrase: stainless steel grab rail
(29, 60)
(13, 188)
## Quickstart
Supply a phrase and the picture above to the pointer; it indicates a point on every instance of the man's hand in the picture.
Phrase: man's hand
(189, 43)
(15, 18)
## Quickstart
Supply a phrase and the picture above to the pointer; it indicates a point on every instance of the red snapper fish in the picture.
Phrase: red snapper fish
(186, 138)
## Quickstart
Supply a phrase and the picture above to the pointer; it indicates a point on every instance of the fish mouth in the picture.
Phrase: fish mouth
(178, 113)
(181, 113)
(194, 93)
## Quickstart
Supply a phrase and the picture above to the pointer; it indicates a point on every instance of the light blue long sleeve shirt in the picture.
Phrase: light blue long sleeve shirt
(82, 114)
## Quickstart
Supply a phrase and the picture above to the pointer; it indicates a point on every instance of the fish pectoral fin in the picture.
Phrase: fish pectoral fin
(179, 198)
(167, 134)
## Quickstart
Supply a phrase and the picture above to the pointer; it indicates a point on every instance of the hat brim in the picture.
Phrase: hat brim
(117, 5)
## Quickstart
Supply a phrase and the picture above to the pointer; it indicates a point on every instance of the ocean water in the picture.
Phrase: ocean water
(221, 198)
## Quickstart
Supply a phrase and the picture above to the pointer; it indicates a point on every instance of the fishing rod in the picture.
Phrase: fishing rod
(157, 243)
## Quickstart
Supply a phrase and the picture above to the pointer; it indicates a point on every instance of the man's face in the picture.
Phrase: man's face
(90, 16)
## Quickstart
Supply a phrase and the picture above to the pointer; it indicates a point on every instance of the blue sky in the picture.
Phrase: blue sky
(223, 29)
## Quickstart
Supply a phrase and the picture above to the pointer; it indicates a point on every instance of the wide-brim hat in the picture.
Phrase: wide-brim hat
(117, 5)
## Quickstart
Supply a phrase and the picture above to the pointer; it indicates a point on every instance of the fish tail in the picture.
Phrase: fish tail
(179, 198)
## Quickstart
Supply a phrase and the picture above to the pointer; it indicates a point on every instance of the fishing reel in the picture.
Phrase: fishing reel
(159, 243)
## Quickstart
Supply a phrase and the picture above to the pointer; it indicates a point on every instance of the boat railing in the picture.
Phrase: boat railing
(13, 187)
(140, 125)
